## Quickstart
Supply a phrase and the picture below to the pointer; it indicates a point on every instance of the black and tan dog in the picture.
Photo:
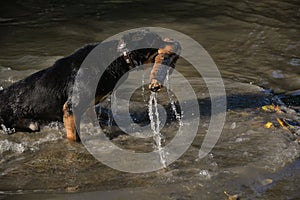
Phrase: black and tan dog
(47, 95)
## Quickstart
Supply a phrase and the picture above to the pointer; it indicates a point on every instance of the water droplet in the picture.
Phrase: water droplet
(233, 125)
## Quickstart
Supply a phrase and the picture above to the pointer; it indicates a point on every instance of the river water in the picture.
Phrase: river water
(256, 47)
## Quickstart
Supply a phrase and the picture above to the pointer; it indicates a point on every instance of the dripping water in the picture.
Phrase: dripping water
(143, 88)
(155, 126)
(110, 116)
(171, 99)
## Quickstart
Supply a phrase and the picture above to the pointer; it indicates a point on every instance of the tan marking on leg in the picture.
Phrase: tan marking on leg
(69, 122)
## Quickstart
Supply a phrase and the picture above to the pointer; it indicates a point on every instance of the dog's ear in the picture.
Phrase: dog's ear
(176, 47)
(141, 40)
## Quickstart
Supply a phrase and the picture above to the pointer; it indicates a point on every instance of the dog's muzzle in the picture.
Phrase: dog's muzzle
(155, 87)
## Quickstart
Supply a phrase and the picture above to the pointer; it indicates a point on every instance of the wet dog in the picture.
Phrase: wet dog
(47, 95)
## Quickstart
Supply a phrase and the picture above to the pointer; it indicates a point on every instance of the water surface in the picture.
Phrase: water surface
(256, 48)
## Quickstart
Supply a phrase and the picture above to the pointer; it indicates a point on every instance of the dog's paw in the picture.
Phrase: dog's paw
(34, 126)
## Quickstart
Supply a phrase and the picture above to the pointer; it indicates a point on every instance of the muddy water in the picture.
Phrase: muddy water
(256, 48)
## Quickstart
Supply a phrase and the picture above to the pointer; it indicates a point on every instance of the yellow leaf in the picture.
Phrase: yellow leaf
(269, 125)
(282, 123)
(268, 108)
(266, 181)
(278, 110)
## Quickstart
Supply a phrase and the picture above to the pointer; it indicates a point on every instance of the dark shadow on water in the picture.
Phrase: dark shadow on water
(140, 116)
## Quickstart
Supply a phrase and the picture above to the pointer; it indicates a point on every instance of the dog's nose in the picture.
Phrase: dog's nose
(155, 87)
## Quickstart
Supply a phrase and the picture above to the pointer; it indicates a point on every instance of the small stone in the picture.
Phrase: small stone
(72, 188)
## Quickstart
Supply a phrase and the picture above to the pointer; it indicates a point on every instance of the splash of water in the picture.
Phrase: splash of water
(6, 145)
(7, 130)
(178, 116)
(155, 126)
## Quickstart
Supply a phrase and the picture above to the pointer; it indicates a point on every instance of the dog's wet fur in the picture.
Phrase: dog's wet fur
(46, 95)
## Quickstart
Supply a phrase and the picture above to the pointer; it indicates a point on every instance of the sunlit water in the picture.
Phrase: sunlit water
(256, 48)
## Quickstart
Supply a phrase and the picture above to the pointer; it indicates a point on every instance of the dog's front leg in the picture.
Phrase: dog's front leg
(69, 122)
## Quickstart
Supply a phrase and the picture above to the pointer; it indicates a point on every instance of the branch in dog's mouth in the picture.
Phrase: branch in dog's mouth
(166, 58)
(158, 75)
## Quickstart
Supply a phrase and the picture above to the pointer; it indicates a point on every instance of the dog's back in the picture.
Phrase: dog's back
(41, 95)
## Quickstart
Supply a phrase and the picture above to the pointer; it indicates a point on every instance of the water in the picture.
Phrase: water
(143, 87)
(171, 98)
(256, 48)
(155, 126)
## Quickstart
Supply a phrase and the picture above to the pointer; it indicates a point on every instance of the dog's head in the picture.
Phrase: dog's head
(163, 52)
